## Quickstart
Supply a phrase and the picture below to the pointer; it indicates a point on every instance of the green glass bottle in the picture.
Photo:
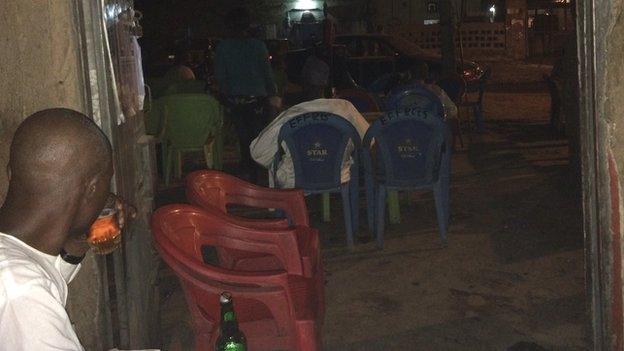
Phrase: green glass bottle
(231, 338)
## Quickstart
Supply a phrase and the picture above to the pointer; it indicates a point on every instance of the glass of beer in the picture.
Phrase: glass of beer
(105, 234)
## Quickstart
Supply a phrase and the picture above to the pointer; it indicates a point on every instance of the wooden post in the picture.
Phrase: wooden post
(447, 27)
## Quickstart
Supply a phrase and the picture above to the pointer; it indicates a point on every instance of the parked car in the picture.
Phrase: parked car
(371, 56)
(361, 60)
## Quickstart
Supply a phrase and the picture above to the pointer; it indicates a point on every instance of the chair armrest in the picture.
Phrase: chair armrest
(282, 243)
(291, 201)
(269, 287)
(263, 224)
(236, 191)
(214, 278)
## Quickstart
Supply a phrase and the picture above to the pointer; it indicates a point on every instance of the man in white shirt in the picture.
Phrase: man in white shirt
(264, 147)
(60, 168)
(419, 74)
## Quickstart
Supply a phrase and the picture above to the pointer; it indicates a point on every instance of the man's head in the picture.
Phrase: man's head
(60, 162)
(238, 20)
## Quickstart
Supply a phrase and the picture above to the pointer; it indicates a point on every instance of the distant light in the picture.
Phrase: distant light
(429, 22)
(305, 5)
(171, 57)
(492, 14)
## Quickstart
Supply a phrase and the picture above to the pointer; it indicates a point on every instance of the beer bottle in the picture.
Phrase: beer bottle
(231, 338)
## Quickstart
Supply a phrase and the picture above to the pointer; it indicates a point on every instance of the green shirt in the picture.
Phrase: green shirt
(242, 68)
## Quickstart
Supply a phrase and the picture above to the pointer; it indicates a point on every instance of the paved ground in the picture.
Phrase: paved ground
(513, 269)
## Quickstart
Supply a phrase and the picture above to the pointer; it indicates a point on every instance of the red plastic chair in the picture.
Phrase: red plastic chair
(275, 310)
(214, 190)
(211, 189)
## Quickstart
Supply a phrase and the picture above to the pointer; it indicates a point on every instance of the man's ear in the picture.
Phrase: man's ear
(91, 187)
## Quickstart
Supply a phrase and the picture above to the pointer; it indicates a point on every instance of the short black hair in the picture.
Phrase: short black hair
(238, 18)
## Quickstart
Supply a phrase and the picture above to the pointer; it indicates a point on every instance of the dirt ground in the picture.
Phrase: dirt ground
(512, 273)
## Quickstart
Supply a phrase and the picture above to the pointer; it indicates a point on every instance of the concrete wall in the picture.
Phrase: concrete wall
(40, 67)
(40, 64)
(611, 111)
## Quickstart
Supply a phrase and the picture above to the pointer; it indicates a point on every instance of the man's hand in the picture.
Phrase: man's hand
(78, 246)
(125, 212)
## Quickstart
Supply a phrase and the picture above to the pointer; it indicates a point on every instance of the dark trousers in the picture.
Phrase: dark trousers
(249, 118)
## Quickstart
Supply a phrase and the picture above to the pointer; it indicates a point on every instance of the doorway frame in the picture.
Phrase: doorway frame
(601, 199)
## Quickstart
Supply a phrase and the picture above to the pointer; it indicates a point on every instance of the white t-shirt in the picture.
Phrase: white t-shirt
(450, 109)
(33, 294)
(264, 147)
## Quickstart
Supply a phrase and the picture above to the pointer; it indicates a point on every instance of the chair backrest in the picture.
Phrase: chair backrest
(483, 82)
(190, 119)
(180, 232)
(479, 86)
(217, 190)
(382, 84)
(317, 142)
(410, 145)
(361, 100)
(454, 86)
(414, 96)
(186, 87)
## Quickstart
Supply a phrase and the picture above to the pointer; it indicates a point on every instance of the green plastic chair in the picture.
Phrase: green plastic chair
(193, 122)
(186, 87)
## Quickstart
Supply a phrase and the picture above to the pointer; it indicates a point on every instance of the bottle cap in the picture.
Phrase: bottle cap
(225, 297)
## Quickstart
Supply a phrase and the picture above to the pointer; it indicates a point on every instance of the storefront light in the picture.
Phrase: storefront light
(306, 5)
(492, 13)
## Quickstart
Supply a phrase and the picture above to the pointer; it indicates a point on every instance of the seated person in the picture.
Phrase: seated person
(315, 74)
(264, 147)
(181, 70)
(60, 167)
(419, 74)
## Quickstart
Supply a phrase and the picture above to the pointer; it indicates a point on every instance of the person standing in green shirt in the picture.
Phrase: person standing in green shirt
(245, 80)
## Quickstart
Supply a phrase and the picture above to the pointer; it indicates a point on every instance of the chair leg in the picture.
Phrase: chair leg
(394, 207)
(370, 199)
(209, 155)
(441, 196)
(163, 156)
(348, 219)
(380, 213)
(466, 111)
(326, 207)
(168, 163)
(354, 198)
(370, 205)
(478, 115)
(178, 164)
(457, 133)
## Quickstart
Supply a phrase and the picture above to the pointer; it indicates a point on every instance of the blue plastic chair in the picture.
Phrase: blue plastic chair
(317, 142)
(477, 105)
(412, 153)
(362, 100)
(410, 96)
(413, 96)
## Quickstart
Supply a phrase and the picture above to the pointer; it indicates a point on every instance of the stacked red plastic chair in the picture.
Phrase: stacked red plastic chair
(215, 190)
(276, 310)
